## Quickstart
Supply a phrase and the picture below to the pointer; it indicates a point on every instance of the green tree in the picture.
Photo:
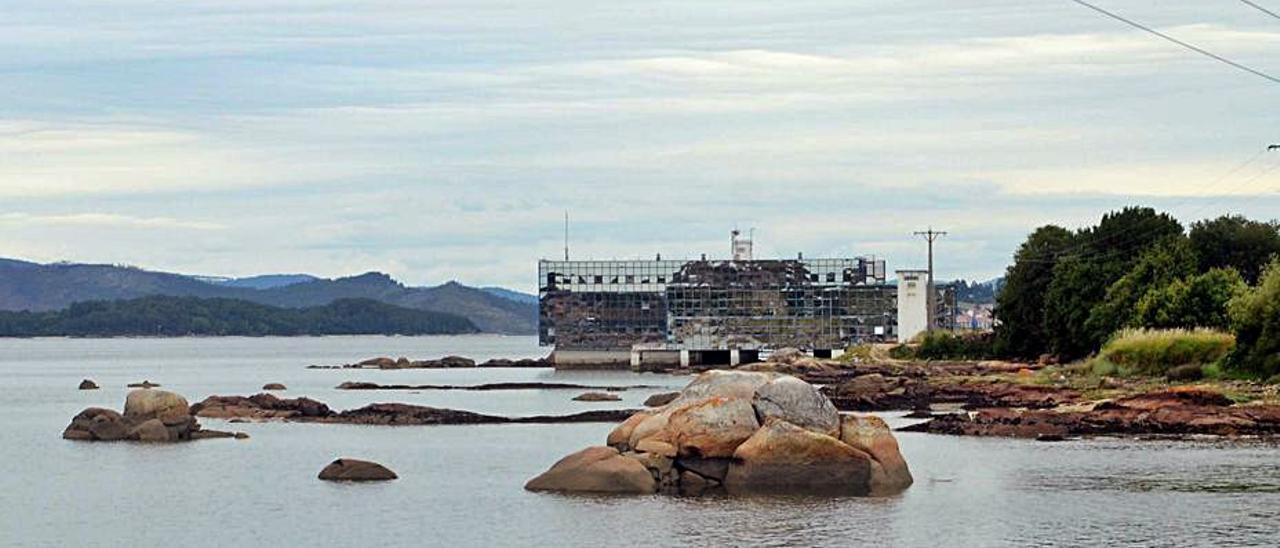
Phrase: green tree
(1020, 303)
(1161, 265)
(1080, 279)
(1236, 242)
(1198, 301)
(1255, 318)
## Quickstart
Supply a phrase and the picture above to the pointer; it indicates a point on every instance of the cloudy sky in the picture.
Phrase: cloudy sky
(439, 140)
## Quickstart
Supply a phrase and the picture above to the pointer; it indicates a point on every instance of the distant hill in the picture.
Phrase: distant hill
(511, 295)
(268, 281)
(45, 287)
(178, 316)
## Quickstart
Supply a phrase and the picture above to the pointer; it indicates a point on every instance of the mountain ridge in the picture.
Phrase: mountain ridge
(44, 287)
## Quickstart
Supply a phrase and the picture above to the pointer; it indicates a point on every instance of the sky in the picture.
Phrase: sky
(445, 140)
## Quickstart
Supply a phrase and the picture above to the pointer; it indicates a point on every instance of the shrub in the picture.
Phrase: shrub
(944, 345)
(859, 352)
(1255, 318)
(1155, 352)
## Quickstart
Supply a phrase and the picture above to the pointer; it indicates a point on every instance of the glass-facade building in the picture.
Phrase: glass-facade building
(709, 305)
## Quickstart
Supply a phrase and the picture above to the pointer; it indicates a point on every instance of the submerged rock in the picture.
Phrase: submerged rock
(596, 396)
(345, 469)
(659, 400)
(152, 416)
(143, 384)
(732, 431)
(273, 386)
(88, 385)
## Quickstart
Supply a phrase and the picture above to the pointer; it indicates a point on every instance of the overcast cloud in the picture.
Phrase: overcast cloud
(444, 140)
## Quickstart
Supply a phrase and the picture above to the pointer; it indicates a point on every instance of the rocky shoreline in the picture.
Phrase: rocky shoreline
(267, 407)
(1038, 401)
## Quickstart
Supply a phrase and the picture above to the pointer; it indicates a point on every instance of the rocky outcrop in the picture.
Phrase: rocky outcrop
(659, 400)
(796, 402)
(149, 416)
(267, 407)
(596, 397)
(88, 385)
(362, 385)
(143, 384)
(273, 386)
(1169, 412)
(345, 469)
(259, 407)
(447, 362)
(739, 432)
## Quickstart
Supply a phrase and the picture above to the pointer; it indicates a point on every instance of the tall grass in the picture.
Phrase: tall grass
(1154, 352)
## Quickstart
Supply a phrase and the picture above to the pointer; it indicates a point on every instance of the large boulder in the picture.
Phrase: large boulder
(798, 403)
(356, 470)
(595, 470)
(784, 458)
(713, 427)
(870, 434)
(144, 404)
(151, 431)
(710, 439)
(725, 384)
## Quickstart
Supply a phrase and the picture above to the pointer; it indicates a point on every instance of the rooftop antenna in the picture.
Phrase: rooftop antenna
(566, 235)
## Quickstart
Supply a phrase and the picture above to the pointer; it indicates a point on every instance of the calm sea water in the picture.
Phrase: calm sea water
(461, 485)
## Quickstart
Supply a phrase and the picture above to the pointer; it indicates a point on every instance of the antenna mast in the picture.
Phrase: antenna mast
(566, 235)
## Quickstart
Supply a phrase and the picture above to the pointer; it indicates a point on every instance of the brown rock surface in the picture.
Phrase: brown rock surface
(784, 458)
(345, 469)
(595, 470)
(870, 434)
(713, 427)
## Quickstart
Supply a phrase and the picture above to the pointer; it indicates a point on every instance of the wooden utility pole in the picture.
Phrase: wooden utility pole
(930, 235)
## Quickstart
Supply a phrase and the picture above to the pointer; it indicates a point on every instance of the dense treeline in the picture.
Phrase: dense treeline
(1068, 292)
(178, 316)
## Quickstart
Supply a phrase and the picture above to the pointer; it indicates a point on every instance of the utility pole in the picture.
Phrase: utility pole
(931, 235)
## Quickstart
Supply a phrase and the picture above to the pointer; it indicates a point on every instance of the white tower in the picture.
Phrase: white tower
(913, 303)
(740, 248)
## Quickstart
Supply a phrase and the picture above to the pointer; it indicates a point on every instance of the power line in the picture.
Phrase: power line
(1191, 47)
(1261, 9)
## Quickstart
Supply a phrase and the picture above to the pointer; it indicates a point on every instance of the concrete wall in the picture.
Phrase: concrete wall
(591, 359)
(913, 303)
